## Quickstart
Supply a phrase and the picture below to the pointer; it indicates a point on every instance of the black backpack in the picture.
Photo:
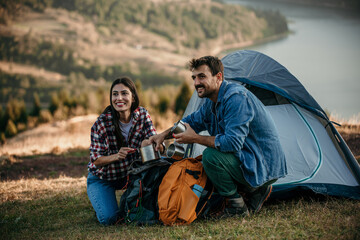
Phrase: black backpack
(138, 204)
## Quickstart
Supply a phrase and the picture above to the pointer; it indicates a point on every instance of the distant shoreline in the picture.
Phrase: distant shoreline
(222, 51)
(353, 5)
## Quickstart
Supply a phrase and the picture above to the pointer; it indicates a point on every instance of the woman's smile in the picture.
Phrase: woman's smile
(122, 98)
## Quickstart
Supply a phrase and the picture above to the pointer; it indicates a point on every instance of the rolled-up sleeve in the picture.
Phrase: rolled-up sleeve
(237, 115)
(149, 128)
(99, 144)
(196, 119)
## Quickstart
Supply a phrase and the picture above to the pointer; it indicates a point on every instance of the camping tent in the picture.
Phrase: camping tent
(317, 157)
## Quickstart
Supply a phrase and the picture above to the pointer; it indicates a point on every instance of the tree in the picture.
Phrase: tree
(54, 103)
(2, 138)
(16, 111)
(139, 88)
(2, 120)
(10, 111)
(36, 106)
(84, 101)
(163, 104)
(45, 116)
(10, 129)
(103, 100)
(182, 99)
(23, 118)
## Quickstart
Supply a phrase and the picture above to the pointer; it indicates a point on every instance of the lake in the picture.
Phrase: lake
(323, 52)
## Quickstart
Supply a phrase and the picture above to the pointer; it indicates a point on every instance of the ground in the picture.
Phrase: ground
(353, 141)
(73, 163)
(44, 166)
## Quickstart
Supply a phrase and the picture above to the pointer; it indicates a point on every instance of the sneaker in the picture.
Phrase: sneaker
(257, 198)
(233, 207)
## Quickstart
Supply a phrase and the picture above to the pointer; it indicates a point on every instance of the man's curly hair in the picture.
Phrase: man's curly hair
(214, 63)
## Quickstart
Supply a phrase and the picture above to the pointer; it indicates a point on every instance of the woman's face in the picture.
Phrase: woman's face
(121, 98)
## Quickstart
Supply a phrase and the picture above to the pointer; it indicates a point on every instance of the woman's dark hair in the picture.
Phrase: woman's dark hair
(115, 115)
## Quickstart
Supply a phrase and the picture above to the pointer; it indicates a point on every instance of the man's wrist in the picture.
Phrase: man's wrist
(167, 134)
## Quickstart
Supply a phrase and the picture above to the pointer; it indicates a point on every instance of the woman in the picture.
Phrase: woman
(116, 137)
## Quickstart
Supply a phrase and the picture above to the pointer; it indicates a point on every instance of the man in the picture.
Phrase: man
(243, 151)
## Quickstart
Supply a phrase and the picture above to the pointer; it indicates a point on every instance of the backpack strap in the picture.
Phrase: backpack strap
(207, 199)
(195, 174)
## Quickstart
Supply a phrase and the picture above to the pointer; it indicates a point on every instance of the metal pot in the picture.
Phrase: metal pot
(148, 153)
(175, 151)
(178, 127)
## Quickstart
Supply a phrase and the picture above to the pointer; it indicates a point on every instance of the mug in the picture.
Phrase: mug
(148, 153)
(175, 151)
(178, 127)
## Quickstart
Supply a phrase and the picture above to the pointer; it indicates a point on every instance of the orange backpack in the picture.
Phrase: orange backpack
(177, 199)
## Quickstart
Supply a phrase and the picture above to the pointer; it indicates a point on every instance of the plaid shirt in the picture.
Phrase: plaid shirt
(103, 143)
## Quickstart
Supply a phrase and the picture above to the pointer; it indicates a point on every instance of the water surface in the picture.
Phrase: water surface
(323, 52)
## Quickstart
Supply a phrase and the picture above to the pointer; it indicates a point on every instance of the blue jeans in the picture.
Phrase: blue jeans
(103, 199)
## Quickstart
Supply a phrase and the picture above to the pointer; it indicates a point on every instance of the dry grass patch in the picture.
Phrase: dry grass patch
(32, 189)
(349, 126)
(56, 137)
(14, 68)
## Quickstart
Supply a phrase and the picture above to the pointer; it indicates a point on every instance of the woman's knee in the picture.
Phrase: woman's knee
(107, 219)
(103, 199)
(105, 214)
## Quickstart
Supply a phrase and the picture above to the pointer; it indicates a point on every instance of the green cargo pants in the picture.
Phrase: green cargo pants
(223, 169)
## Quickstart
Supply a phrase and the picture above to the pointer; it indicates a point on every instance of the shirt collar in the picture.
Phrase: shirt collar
(222, 90)
(136, 114)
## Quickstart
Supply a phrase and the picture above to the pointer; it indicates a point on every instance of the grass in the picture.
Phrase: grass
(75, 152)
(60, 209)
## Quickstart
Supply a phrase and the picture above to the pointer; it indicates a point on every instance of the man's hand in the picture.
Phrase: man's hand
(189, 136)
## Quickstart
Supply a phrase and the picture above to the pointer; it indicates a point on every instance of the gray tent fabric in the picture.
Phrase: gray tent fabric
(317, 157)
(257, 69)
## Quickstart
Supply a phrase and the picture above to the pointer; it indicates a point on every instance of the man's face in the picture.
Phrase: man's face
(205, 84)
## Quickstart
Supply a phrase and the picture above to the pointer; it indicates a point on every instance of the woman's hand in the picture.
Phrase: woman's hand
(121, 155)
(158, 140)
(123, 152)
(145, 142)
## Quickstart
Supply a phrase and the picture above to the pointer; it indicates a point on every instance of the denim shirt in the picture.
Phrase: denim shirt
(241, 125)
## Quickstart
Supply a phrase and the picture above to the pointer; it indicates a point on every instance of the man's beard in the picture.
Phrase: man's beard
(204, 90)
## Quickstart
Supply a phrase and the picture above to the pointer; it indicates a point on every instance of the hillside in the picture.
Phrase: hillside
(58, 58)
(129, 37)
